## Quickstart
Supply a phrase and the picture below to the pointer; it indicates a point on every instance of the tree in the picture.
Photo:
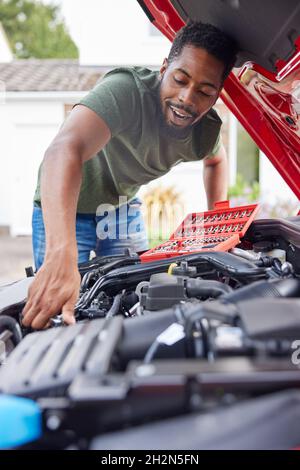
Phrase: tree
(36, 30)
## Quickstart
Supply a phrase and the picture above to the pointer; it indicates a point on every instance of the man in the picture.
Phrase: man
(132, 128)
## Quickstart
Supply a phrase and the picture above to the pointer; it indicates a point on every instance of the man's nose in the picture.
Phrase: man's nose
(187, 97)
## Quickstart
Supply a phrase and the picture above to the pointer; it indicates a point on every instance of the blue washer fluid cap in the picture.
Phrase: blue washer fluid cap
(20, 421)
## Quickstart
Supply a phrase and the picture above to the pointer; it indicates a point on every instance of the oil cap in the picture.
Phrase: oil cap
(20, 421)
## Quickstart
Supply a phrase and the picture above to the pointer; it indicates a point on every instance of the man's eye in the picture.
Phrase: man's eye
(204, 94)
(177, 80)
(208, 95)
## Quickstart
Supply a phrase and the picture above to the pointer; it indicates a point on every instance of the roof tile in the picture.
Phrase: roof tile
(49, 75)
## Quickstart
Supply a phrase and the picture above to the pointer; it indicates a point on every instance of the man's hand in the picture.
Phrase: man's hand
(56, 286)
(55, 290)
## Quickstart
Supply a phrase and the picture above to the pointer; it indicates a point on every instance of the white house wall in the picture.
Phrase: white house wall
(273, 187)
(186, 180)
(6, 158)
(30, 125)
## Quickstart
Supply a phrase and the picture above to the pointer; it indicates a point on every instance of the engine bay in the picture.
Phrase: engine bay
(197, 335)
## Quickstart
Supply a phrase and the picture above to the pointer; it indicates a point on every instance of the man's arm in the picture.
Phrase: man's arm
(56, 285)
(215, 177)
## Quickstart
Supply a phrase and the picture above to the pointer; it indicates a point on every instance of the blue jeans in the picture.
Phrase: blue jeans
(126, 230)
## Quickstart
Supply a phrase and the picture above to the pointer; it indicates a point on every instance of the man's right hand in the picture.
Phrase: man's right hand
(55, 290)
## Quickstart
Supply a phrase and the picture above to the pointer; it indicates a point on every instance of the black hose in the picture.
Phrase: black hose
(274, 288)
(118, 264)
(10, 324)
(114, 309)
(86, 279)
(102, 261)
(128, 277)
(102, 270)
(202, 288)
(140, 333)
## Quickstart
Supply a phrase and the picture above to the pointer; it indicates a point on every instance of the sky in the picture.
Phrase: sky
(73, 11)
(112, 32)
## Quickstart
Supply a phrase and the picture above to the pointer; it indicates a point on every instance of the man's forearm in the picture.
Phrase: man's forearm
(60, 185)
(56, 285)
(215, 182)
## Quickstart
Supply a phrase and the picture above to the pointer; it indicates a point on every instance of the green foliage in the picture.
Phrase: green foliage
(243, 193)
(153, 242)
(36, 30)
(242, 189)
(248, 156)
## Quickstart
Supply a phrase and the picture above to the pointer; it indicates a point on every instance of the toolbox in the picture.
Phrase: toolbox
(218, 230)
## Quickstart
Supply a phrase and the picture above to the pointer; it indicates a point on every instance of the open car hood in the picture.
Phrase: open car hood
(263, 91)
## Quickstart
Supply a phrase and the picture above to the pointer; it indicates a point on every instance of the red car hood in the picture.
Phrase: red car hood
(263, 91)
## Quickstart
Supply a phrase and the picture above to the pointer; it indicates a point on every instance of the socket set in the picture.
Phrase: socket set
(199, 231)
(218, 230)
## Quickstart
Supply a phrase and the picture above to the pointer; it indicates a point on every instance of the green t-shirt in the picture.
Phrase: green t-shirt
(138, 151)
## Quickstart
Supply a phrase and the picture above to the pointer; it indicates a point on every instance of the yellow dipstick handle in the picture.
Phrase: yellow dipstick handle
(171, 267)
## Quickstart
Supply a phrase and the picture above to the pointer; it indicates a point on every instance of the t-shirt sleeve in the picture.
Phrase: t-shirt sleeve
(208, 135)
(115, 100)
(218, 144)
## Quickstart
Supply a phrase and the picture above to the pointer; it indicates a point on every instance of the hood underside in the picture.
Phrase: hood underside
(263, 91)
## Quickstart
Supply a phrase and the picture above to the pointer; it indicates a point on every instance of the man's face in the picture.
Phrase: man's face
(190, 86)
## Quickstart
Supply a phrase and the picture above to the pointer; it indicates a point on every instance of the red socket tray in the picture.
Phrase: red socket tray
(216, 230)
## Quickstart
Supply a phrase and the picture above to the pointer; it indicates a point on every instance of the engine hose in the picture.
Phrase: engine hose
(277, 266)
(140, 333)
(86, 279)
(102, 261)
(114, 309)
(10, 324)
(201, 288)
(245, 254)
(102, 270)
(272, 288)
(128, 277)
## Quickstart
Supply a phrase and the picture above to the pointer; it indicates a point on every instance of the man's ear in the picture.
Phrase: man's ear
(163, 68)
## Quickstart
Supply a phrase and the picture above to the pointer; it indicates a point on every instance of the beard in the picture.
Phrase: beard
(168, 129)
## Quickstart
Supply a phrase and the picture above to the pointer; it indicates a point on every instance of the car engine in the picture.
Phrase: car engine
(166, 344)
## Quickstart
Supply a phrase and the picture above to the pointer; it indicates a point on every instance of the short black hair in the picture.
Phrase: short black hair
(208, 37)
